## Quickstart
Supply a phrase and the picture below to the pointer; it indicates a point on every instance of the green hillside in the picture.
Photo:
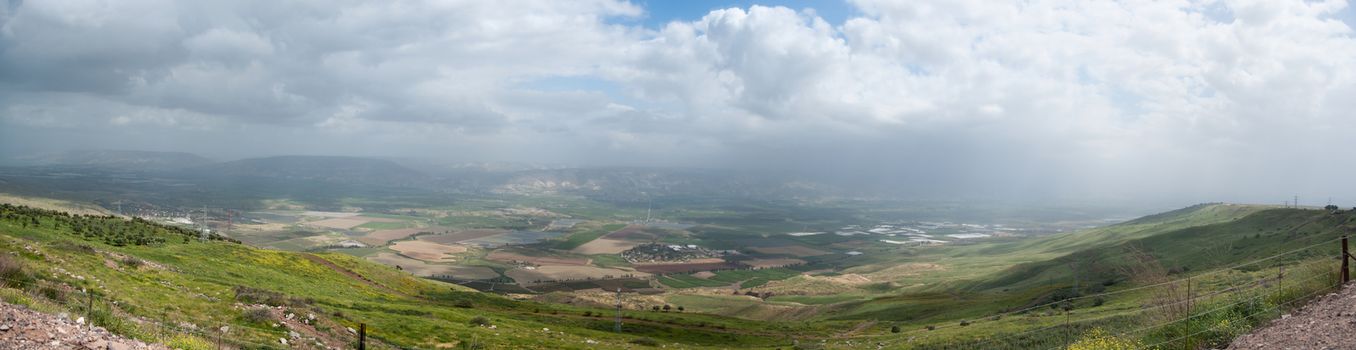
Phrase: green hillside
(146, 278)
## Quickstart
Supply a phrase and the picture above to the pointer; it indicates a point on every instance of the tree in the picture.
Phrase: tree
(667, 307)
(680, 308)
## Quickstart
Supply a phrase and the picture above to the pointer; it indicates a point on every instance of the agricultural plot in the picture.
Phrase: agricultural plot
(765, 263)
(344, 223)
(424, 269)
(793, 250)
(581, 237)
(700, 265)
(460, 236)
(383, 236)
(513, 238)
(508, 256)
(545, 274)
(605, 246)
(428, 251)
(689, 281)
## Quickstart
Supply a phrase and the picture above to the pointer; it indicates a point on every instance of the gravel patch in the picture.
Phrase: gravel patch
(21, 328)
(1328, 322)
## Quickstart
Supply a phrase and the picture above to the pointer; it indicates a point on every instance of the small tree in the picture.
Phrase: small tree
(667, 307)
(680, 308)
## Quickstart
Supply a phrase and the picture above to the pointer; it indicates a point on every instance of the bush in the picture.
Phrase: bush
(12, 272)
(463, 303)
(479, 321)
(964, 323)
(132, 262)
(894, 329)
(1098, 301)
(645, 342)
(257, 316)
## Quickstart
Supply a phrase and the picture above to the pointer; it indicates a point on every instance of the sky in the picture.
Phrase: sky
(1212, 100)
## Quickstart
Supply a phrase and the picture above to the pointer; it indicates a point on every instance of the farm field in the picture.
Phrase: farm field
(424, 269)
(568, 273)
(377, 238)
(428, 251)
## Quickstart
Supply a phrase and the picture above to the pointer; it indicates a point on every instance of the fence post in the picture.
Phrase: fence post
(362, 336)
(89, 309)
(1346, 276)
(1186, 341)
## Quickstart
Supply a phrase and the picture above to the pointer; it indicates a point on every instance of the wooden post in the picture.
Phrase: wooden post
(362, 336)
(1186, 341)
(1346, 276)
(89, 309)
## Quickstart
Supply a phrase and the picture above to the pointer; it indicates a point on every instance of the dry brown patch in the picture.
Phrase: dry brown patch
(377, 238)
(428, 251)
(795, 250)
(564, 273)
(423, 269)
(704, 274)
(507, 256)
(340, 223)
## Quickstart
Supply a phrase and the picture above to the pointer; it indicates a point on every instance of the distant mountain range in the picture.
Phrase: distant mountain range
(610, 183)
(116, 159)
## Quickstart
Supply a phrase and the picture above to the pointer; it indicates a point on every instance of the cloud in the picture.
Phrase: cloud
(1194, 98)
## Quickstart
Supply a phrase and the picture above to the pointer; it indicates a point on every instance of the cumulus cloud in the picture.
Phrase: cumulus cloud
(1196, 99)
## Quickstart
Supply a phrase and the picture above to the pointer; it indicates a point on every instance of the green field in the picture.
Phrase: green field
(582, 235)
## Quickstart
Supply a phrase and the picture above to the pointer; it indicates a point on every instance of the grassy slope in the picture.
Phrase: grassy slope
(196, 285)
(1195, 239)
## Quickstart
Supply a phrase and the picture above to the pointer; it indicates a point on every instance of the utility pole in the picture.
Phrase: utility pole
(617, 326)
(1297, 202)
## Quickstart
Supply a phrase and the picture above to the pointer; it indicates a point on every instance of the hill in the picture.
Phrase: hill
(332, 169)
(160, 284)
(117, 159)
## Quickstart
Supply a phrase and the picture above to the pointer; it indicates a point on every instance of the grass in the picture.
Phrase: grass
(197, 283)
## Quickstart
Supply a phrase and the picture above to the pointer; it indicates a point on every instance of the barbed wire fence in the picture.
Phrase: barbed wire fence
(1207, 308)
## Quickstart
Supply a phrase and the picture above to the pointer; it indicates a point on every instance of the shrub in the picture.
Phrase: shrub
(645, 342)
(479, 321)
(894, 329)
(588, 313)
(964, 323)
(463, 303)
(1098, 301)
(257, 316)
(52, 291)
(132, 262)
(932, 328)
(12, 272)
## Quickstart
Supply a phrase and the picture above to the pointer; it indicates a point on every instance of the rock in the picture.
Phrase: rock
(80, 321)
(293, 334)
(351, 331)
(4, 328)
(282, 341)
